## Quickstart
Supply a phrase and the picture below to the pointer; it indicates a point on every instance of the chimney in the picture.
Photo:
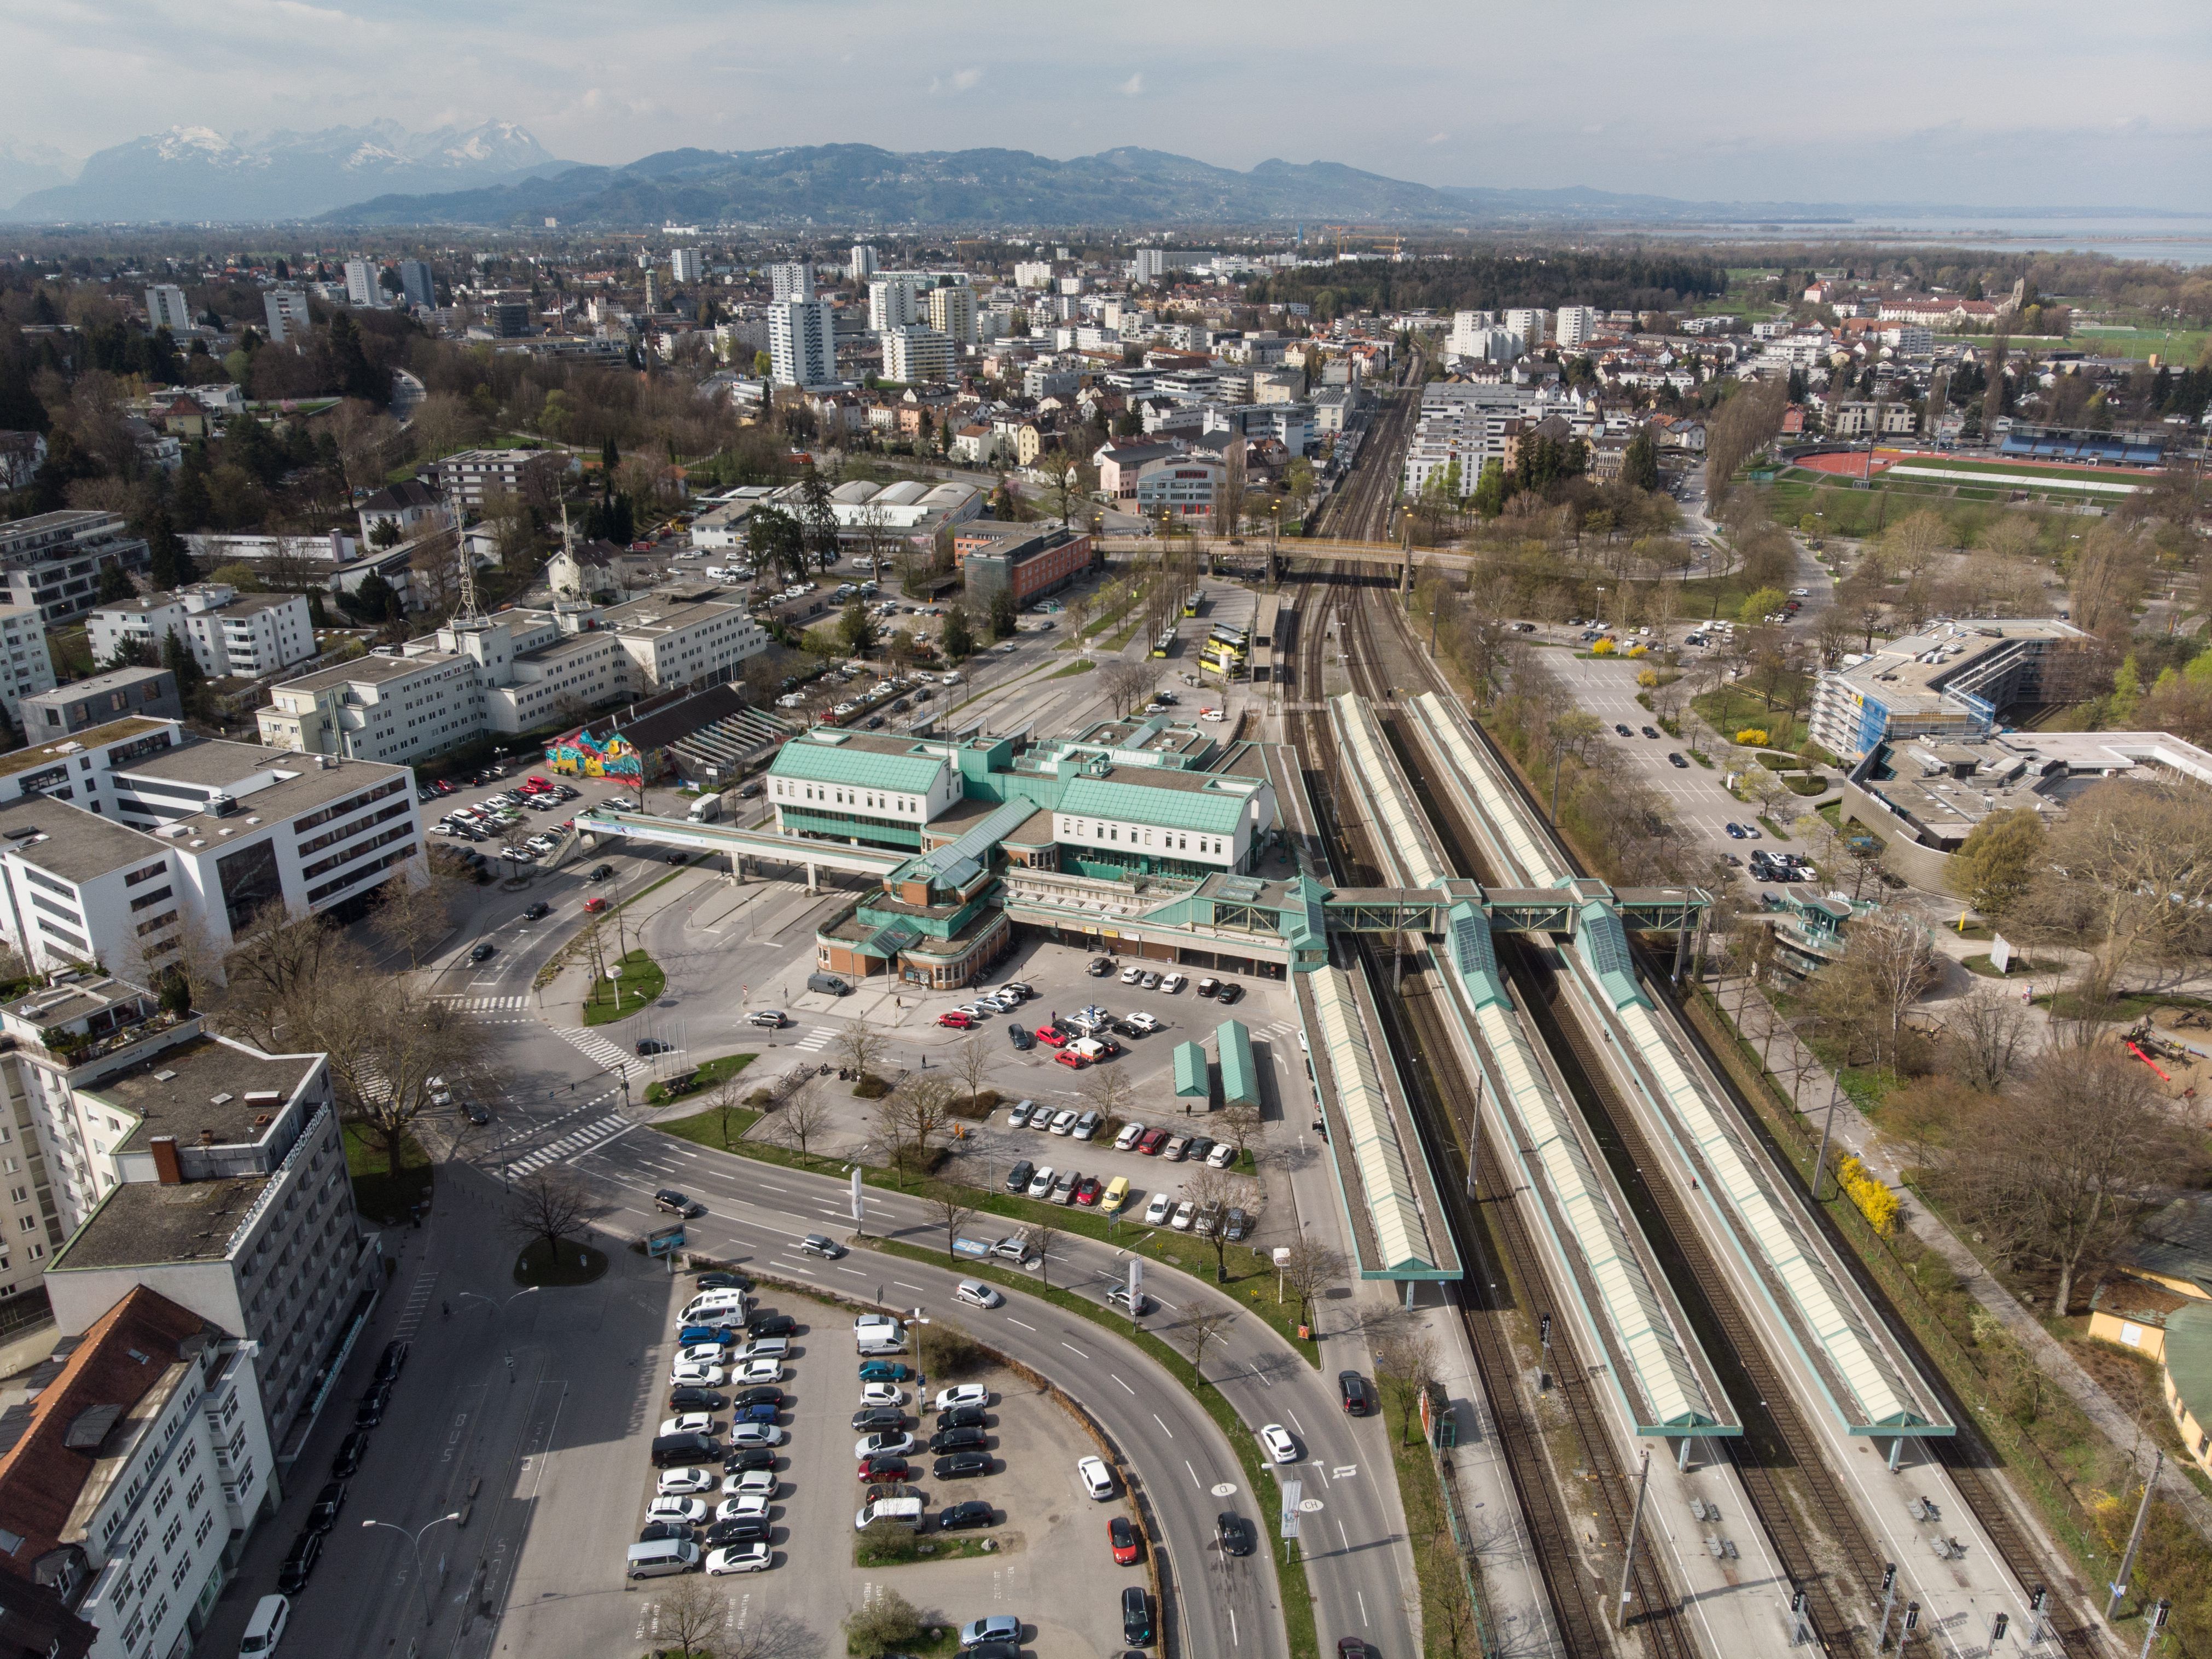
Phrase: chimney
(166, 1166)
(207, 1137)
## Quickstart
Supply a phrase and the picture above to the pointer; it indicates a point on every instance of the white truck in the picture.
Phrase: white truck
(708, 809)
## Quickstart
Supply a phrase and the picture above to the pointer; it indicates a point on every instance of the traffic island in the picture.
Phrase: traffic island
(638, 980)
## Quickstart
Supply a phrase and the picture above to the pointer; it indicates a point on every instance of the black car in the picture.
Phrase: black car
(1100, 967)
(1021, 1038)
(1623, 730)
(656, 1532)
(392, 1361)
(751, 1529)
(1136, 1616)
(1238, 1223)
(1235, 1533)
(346, 1460)
(370, 1412)
(1652, 731)
(960, 1465)
(871, 1418)
(306, 1550)
(675, 1203)
(1018, 1178)
(679, 858)
(479, 1113)
(695, 1400)
(537, 912)
(1198, 1147)
(953, 1440)
(654, 1046)
(741, 1458)
(959, 1517)
(601, 873)
(961, 1417)
(993, 1650)
(764, 1323)
(767, 1394)
(1676, 761)
(324, 1514)
(722, 1281)
(1352, 1389)
(483, 953)
(1230, 992)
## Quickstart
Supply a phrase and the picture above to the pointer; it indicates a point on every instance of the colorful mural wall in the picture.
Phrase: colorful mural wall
(581, 753)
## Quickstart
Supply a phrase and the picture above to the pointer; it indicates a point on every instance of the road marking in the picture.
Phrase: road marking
(1363, 1599)
(1011, 1319)
(1077, 1352)
(1345, 1471)
(1194, 1480)
(1341, 1533)
(903, 1286)
(855, 1272)
(1125, 1387)
(1295, 1424)
(1262, 1376)
(1164, 1429)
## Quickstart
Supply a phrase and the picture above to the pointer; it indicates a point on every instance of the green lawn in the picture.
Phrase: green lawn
(1732, 709)
(707, 1129)
(709, 1073)
(642, 981)
(380, 1195)
(2180, 347)
(1082, 666)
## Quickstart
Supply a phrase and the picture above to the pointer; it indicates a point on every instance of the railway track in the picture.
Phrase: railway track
(1490, 1232)
(1815, 1531)
(1361, 511)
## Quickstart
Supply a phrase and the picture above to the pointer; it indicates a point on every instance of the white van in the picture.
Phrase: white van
(266, 1628)
(661, 1558)
(715, 1307)
(907, 1511)
(878, 1334)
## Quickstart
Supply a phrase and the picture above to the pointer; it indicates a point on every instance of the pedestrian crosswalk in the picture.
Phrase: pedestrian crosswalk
(1284, 1029)
(816, 1040)
(418, 1299)
(486, 1004)
(594, 1047)
(596, 1133)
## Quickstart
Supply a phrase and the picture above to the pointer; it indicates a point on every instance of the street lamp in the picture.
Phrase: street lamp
(415, 1543)
(499, 1307)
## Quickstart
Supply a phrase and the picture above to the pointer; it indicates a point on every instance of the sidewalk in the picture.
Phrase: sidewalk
(1855, 1134)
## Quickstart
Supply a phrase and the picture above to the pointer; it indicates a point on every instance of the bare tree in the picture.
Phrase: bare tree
(1043, 1238)
(1201, 1331)
(691, 1613)
(549, 1204)
(947, 1210)
(1984, 1035)
(412, 916)
(971, 1064)
(858, 1046)
(1110, 1092)
(766, 1635)
(914, 1114)
(1405, 1365)
(1308, 1267)
(1240, 1124)
(2129, 876)
(1128, 685)
(392, 1053)
(1218, 1189)
(804, 1116)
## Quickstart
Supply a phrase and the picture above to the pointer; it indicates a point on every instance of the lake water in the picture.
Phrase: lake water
(2182, 239)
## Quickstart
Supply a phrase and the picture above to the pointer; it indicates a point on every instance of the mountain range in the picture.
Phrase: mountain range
(191, 174)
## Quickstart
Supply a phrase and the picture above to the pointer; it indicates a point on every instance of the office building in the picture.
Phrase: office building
(286, 310)
(1573, 325)
(361, 284)
(891, 303)
(52, 562)
(1021, 559)
(27, 667)
(793, 279)
(687, 265)
(914, 356)
(1151, 265)
(226, 632)
(66, 710)
(1953, 680)
(416, 286)
(802, 343)
(166, 308)
(138, 1464)
(864, 262)
(952, 311)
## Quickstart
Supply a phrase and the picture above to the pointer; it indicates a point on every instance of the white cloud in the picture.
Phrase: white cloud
(1134, 86)
(1435, 137)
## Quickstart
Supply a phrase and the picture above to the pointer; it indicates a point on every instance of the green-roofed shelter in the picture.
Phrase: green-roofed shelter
(1240, 1077)
(1192, 1079)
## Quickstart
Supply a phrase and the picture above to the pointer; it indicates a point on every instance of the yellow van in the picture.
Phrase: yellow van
(1116, 1195)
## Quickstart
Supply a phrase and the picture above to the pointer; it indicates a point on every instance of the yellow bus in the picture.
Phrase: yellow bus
(1190, 605)
(1219, 659)
(1165, 643)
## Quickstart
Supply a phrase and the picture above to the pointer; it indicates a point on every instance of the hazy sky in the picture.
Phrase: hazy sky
(2029, 103)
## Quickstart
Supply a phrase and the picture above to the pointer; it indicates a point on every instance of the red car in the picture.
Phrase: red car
(1122, 1539)
(1088, 1188)
(1052, 1036)
(1074, 1062)
(884, 1466)
(955, 1019)
(1150, 1142)
(593, 906)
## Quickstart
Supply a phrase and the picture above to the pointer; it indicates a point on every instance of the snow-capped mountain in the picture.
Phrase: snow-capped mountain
(27, 165)
(194, 172)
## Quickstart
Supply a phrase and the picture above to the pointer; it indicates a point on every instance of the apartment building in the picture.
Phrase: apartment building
(686, 265)
(914, 356)
(27, 667)
(228, 1196)
(360, 284)
(479, 474)
(952, 311)
(65, 711)
(285, 310)
(793, 279)
(1573, 325)
(131, 1476)
(864, 262)
(1467, 425)
(226, 632)
(802, 343)
(377, 709)
(891, 301)
(53, 561)
(117, 844)
(166, 308)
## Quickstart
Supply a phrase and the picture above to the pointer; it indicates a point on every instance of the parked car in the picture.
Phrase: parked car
(1018, 1178)
(1161, 1207)
(959, 1466)
(322, 1514)
(1097, 1479)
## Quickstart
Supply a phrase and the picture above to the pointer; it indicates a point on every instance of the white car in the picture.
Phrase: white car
(1130, 1135)
(882, 1394)
(751, 1508)
(689, 1510)
(1097, 1479)
(976, 1294)
(1276, 1439)
(689, 1423)
(753, 1372)
(1143, 1022)
(740, 1557)
(896, 1443)
(968, 1394)
(749, 1483)
(682, 1483)
(1186, 1212)
(1131, 974)
(1161, 1207)
(685, 1374)
(704, 1353)
(1174, 982)
(1221, 1157)
(1041, 1183)
(746, 1437)
(1064, 1120)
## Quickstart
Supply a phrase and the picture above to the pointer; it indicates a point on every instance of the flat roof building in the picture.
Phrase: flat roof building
(1955, 680)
